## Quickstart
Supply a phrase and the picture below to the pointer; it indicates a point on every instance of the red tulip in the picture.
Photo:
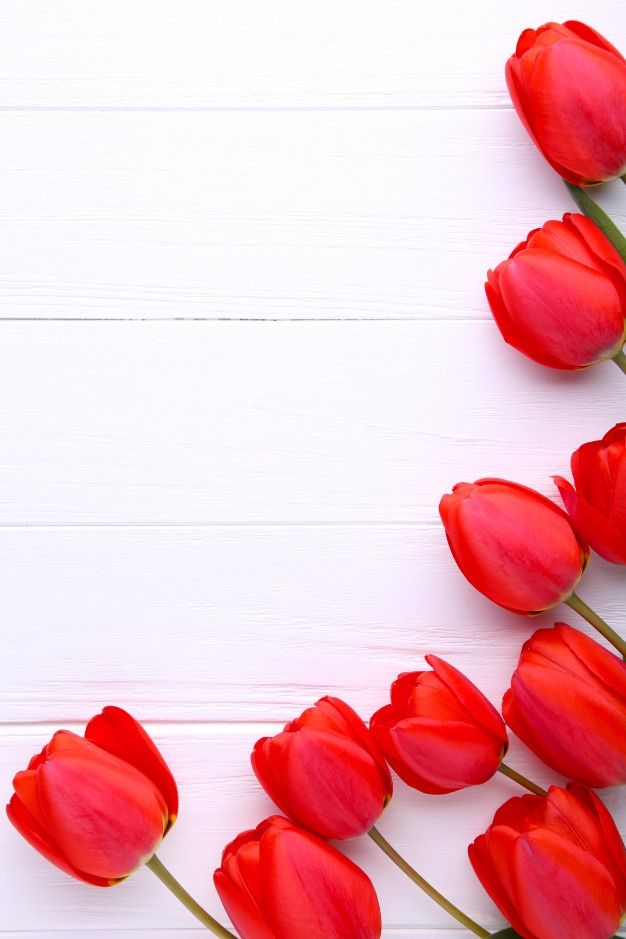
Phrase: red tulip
(567, 702)
(568, 85)
(597, 505)
(555, 866)
(560, 298)
(280, 882)
(440, 733)
(514, 545)
(97, 806)
(325, 771)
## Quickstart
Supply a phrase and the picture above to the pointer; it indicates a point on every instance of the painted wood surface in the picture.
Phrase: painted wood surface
(244, 348)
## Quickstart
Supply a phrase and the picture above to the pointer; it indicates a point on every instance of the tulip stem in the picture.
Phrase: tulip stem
(522, 780)
(186, 899)
(605, 223)
(620, 360)
(429, 890)
(597, 622)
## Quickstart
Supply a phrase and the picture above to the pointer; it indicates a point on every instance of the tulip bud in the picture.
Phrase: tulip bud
(515, 546)
(325, 771)
(567, 702)
(280, 882)
(554, 866)
(560, 298)
(440, 733)
(597, 505)
(97, 806)
(568, 86)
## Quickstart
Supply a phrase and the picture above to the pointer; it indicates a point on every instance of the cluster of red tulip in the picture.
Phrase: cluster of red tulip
(554, 863)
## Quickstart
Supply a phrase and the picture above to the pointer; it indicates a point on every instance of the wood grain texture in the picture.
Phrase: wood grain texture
(251, 423)
(245, 623)
(244, 348)
(265, 214)
(240, 54)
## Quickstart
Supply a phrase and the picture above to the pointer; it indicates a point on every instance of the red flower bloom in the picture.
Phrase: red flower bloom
(568, 85)
(514, 545)
(97, 806)
(440, 733)
(325, 771)
(560, 298)
(280, 882)
(597, 505)
(567, 702)
(554, 866)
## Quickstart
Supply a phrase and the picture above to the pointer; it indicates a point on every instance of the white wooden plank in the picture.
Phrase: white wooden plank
(261, 215)
(243, 54)
(219, 797)
(242, 623)
(191, 933)
(202, 423)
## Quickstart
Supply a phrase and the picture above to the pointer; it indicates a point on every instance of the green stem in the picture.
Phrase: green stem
(605, 223)
(429, 890)
(594, 620)
(186, 899)
(620, 361)
(522, 780)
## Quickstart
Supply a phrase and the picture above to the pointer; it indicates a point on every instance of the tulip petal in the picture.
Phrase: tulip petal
(328, 782)
(601, 534)
(570, 724)
(30, 829)
(562, 313)
(591, 35)
(478, 709)
(512, 544)
(359, 731)
(314, 892)
(440, 757)
(115, 731)
(489, 856)
(243, 912)
(561, 890)
(577, 813)
(579, 108)
(105, 816)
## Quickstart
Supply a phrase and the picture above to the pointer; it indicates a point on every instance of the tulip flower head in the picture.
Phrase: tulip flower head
(568, 86)
(567, 702)
(325, 771)
(554, 866)
(97, 806)
(597, 504)
(560, 298)
(281, 882)
(514, 545)
(440, 733)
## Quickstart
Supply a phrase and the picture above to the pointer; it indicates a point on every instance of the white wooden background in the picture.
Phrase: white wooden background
(244, 348)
